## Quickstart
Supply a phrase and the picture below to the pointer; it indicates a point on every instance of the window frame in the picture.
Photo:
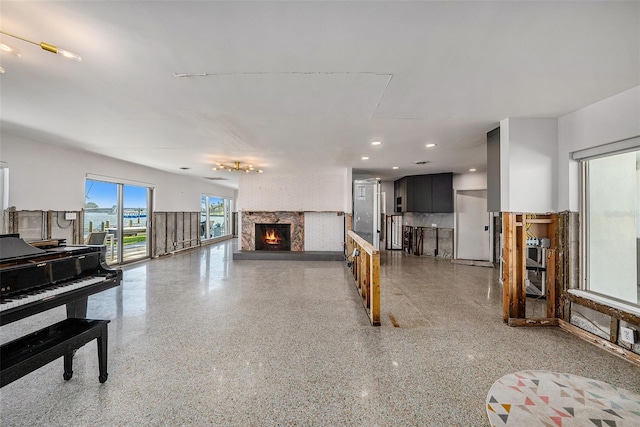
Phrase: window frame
(584, 157)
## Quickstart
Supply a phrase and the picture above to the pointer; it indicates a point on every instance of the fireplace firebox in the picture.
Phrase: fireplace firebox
(273, 237)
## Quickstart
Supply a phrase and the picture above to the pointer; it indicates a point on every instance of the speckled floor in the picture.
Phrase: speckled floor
(199, 339)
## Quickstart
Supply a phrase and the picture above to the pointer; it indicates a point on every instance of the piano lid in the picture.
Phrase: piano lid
(15, 247)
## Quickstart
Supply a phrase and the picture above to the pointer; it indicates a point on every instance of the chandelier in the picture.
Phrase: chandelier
(237, 167)
(46, 46)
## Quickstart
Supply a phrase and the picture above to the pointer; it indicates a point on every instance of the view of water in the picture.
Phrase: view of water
(98, 218)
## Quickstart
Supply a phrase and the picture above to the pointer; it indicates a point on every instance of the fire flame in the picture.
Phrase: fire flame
(271, 238)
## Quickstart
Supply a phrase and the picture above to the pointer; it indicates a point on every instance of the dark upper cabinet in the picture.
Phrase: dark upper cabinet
(400, 194)
(424, 193)
(493, 171)
(442, 192)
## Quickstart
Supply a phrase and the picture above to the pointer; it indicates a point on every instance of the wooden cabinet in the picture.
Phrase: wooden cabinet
(424, 193)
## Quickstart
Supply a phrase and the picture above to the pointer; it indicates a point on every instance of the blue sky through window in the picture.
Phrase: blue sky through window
(105, 194)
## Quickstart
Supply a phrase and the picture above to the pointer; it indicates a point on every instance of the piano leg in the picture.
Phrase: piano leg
(77, 309)
(102, 354)
(68, 366)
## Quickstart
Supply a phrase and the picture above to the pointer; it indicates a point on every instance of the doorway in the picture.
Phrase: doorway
(394, 232)
(122, 211)
(473, 222)
(215, 214)
(366, 210)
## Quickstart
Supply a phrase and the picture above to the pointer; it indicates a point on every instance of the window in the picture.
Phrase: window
(611, 225)
(215, 213)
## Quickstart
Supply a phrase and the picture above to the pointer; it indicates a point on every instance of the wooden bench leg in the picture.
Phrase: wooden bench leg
(102, 354)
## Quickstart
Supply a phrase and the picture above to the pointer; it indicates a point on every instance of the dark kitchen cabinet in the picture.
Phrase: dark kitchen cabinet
(442, 192)
(401, 195)
(493, 171)
(424, 193)
(422, 200)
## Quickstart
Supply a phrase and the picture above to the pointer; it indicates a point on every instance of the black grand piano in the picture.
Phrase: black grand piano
(33, 280)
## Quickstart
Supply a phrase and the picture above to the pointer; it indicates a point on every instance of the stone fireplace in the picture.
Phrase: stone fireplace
(254, 222)
(273, 237)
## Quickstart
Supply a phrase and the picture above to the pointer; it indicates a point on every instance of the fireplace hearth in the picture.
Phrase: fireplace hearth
(273, 237)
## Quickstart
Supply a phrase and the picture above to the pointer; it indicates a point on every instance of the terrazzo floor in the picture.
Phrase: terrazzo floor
(199, 339)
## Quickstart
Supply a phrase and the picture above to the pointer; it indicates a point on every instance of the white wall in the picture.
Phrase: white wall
(263, 192)
(609, 120)
(323, 231)
(48, 177)
(387, 187)
(470, 181)
(528, 162)
(348, 190)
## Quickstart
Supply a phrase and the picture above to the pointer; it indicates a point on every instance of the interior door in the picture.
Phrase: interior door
(472, 226)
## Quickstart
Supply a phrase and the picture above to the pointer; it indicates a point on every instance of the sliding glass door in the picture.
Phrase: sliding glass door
(116, 215)
(101, 209)
(134, 230)
(215, 217)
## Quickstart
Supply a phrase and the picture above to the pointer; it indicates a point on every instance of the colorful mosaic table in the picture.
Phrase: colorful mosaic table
(551, 399)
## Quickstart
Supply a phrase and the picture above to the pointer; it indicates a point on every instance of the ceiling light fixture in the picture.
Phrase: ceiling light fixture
(365, 158)
(237, 167)
(9, 49)
(431, 145)
(395, 167)
(376, 143)
(46, 46)
(472, 170)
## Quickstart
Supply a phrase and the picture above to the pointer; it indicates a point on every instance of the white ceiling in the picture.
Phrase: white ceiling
(307, 86)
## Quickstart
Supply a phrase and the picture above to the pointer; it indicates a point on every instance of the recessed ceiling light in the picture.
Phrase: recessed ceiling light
(365, 158)
(431, 145)
(472, 170)
(376, 143)
(395, 167)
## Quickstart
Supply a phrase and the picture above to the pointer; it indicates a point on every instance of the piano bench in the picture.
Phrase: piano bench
(30, 352)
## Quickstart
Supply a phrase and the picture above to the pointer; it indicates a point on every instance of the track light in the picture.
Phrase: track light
(46, 46)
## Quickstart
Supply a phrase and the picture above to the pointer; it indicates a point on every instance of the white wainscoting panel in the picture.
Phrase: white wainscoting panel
(323, 231)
